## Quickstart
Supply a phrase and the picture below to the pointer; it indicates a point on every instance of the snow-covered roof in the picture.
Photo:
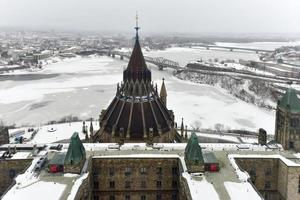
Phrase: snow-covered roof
(285, 160)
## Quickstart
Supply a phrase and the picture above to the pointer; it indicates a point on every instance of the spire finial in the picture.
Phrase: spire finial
(137, 26)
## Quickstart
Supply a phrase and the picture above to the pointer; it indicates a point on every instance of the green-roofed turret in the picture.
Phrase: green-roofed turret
(76, 150)
(193, 151)
(287, 125)
(290, 101)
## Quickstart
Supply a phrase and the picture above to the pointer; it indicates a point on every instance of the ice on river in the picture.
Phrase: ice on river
(84, 86)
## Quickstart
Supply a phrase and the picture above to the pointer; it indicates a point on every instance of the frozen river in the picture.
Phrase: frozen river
(83, 86)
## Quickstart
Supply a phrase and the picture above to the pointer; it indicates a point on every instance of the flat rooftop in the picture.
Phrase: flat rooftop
(221, 185)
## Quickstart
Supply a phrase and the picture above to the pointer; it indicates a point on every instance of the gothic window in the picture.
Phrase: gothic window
(12, 173)
(268, 171)
(111, 171)
(143, 170)
(174, 196)
(143, 184)
(159, 170)
(158, 184)
(253, 172)
(267, 185)
(96, 197)
(143, 197)
(127, 171)
(111, 184)
(174, 170)
(96, 171)
(299, 185)
(127, 197)
(127, 184)
(158, 197)
(174, 184)
(111, 197)
(96, 184)
(294, 122)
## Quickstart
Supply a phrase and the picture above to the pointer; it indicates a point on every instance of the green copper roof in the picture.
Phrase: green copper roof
(76, 151)
(290, 101)
(193, 151)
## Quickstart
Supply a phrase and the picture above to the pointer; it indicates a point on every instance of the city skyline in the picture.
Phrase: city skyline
(232, 16)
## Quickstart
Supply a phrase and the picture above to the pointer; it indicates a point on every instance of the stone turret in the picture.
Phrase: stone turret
(287, 127)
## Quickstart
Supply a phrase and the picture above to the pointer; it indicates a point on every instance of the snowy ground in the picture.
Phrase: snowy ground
(244, 190)
(37, 191)
(84, 86)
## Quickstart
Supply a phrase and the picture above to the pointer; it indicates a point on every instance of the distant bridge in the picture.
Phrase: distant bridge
(232, 48)
(160, 62)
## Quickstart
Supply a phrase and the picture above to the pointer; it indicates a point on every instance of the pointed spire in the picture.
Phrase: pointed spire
(137, 26)
(182, 127)
(91, 127)
(137, 68)
(163, 92)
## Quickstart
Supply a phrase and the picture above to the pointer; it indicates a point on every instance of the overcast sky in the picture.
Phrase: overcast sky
(185, 16)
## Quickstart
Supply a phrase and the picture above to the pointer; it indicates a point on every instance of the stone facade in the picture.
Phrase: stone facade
(136, 178)
(74, 168)
(84, 192)
(272, 177)
(287, 126)
(287, 129)
(9, 169)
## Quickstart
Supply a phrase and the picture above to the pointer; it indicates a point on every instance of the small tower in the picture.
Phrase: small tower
(182, 128)
(83, 127)
(163, 92)
(193, 155)
(262, 137)
(91, 127)
(75, 156)
(185, 135)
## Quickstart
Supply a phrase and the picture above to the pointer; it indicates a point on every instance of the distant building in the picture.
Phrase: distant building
(4, 137)
(287, 126)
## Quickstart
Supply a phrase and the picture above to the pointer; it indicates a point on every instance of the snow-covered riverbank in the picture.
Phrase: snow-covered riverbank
(83, 86)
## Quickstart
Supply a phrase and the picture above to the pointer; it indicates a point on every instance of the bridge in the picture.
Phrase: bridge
(231, 48)
(160, 62)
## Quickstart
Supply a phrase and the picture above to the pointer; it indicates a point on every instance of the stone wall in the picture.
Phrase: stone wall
(283, 181)
(293, 181)
(263, 174)
(85, 192)
(74, 168)
(9, 170)
(147, 176)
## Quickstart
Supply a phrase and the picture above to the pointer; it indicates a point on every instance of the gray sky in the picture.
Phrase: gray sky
(193, 16)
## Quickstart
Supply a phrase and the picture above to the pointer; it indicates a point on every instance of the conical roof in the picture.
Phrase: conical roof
(163, 91)
(137, 60)
(290, 101)
(193, 151)
(76, 151)
(137, 68)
